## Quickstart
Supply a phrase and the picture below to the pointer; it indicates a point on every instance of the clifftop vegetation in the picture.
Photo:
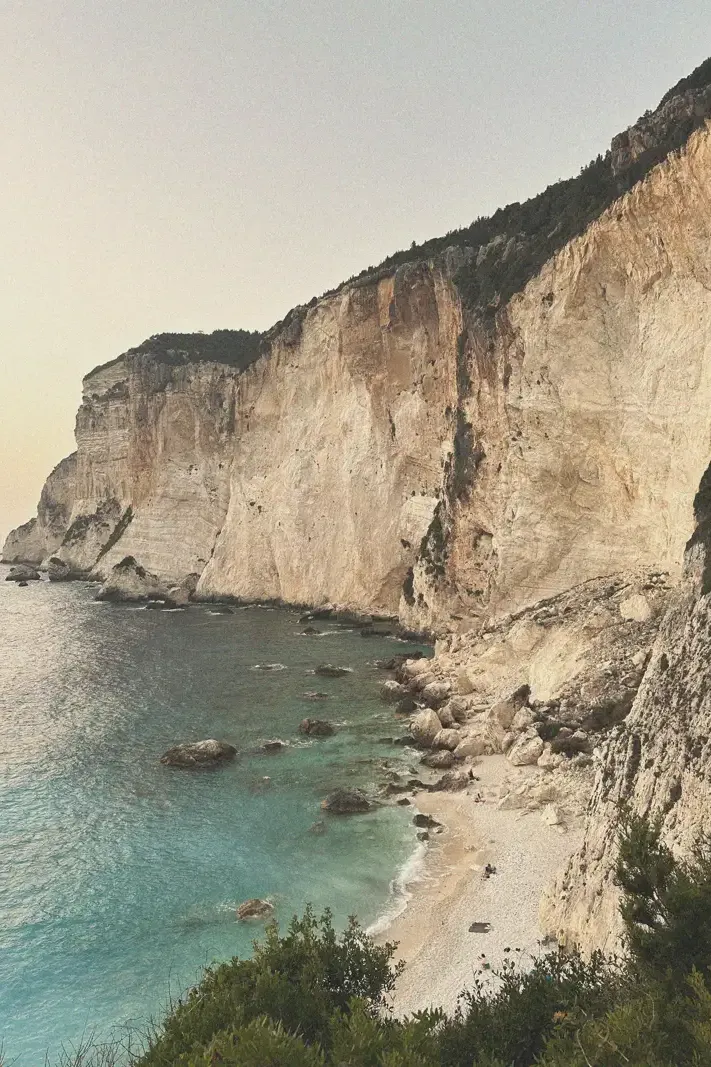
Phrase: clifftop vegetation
(509, 247)
(236, 348)
(502, 251)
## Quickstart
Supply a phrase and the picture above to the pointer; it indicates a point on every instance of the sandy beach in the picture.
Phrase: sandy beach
(452, 890)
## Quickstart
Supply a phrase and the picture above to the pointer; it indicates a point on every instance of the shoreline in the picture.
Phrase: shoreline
(450, 890)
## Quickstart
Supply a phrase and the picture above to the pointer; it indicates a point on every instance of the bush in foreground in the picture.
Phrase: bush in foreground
(315, 998)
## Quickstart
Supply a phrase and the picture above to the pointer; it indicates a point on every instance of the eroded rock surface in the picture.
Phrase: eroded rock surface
(658, 761)
(199, 754)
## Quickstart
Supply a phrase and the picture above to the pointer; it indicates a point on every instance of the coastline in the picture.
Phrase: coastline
(450, 890)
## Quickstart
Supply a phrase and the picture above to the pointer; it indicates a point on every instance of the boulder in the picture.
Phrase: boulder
(425, 726)
(273, 746)
(549, 760)
(221, 609)
(448, 739)
(465, 685)
(425, 822)
(439, 761)
(316, 728)
(435, 694)
(504, 712)
(470, 747)
(22, 573)
(551, 815)
(407, 705)
(317, 613)
(397, 660)
(522, 720)
(508, 739)
(391, 691)
(199, 754)
(446, 717)
(58, 570)
(309, 630)
(636, 608)
(254, 909)
(458, 708)
(452, 782)
(346, 802)
(327, 670)
(182, 593)
(23, 584)
(415, 665)
(162, 605)
(569, 743)
(526, 750)
(129, 582)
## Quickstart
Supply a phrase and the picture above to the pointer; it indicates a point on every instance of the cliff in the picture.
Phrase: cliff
(657, 761)
(40, 537)
(498, 435)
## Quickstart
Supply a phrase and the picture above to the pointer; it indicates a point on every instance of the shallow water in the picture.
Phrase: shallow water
(119, 877)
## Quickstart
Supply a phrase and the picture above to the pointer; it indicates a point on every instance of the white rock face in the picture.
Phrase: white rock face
(658, 760)
(40, 537)
(594, 439)
(313, 475)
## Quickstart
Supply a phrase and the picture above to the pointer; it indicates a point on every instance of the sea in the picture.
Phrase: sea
(120, 876)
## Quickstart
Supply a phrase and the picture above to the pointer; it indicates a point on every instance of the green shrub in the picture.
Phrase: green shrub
(299, 981)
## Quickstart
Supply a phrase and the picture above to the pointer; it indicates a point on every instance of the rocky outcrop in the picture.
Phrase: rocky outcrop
(316, 728)
(255, 909)
(41, 536)
(390, 448)
(346, 802)
(129, 582)
(658, 761)
(499, 437)
(199, 754)
(22, 573)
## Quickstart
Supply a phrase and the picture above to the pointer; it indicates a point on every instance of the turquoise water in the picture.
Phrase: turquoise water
(119, 877)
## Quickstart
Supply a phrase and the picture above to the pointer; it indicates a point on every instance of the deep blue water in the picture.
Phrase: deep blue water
(119, 877)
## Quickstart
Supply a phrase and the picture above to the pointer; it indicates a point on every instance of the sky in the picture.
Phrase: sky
(179, 165)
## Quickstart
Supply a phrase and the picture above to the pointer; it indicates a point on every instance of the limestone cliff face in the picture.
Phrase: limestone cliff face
(587, 424)
(152, 465)
(340, 441)
(311, 476)
(392, 450)
(658, 761)
(41, 536)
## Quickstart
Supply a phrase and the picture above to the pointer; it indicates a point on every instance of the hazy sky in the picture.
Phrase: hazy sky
(195, 164)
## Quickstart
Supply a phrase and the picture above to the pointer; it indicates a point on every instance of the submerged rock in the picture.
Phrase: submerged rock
(391, 691)
(346, 802)
(314, 695)
(199, 754)
(273, 746)
(426, 822)
(327, 670)
(254, 909)
(316, 728)
(22, 573)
